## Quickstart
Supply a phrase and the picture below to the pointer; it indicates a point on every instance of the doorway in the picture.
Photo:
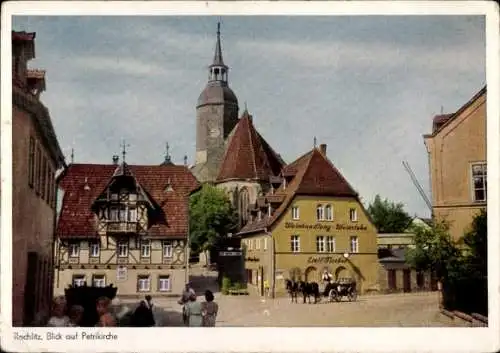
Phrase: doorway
(391, 280)
(406, 280)
(311, 274)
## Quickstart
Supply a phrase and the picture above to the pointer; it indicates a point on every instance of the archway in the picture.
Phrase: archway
(295, 274)
(311, 274)
(342, 273)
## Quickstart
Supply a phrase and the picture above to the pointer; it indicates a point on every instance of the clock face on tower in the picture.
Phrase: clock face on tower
(214, 132)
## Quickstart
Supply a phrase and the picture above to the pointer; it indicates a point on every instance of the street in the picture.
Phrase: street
(392, 310)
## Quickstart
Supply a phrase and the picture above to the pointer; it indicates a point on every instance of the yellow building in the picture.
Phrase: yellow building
(457, 161)
(124, 225)
(309, 221)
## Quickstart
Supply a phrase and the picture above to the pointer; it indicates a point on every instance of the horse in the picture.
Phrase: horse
(309, 289)
(292, 288)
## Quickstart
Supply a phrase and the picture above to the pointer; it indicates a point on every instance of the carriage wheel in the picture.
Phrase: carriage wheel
(332, 295)
(353, 296)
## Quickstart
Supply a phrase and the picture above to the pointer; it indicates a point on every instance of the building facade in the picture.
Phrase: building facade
(310, 220)
(457, 163)
(36, 156)
(125, 225)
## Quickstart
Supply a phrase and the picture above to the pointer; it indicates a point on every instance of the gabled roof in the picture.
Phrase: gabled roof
(83, 183)
(248, 155)
(312, 174)
(440, 121)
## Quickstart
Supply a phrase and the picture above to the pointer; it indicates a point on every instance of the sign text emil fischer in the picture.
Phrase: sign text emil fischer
(324, 227)
(326, 260)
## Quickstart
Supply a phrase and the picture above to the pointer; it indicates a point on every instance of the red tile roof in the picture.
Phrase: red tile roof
(312, 174)
(76, 218)
(35, 74)
(248, 155)
(23, 36)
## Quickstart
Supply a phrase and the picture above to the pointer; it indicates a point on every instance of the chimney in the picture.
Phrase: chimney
(322, 149)
(115, 159)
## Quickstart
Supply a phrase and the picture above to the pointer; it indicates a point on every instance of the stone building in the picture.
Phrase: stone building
(126, 225)
(457, 164)
(230, 153)
(36, 156)
(310, 220)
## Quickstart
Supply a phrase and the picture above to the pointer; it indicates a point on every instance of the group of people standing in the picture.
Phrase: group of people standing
(195, 313)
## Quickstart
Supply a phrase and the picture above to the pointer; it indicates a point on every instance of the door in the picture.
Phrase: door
(30, 288)
(420, 280)
(406, 281)
(434, 281)
(391, 280)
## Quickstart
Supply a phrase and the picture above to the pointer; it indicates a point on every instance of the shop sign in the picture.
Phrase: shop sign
(230, 253)
(325, 227)
(326, 260)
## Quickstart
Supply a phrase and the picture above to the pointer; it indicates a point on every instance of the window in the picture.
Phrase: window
(31, 162)
(353, 215)
(164, 284)
(479, 182)
(48, 185)
(74, 250)
(320, 243)
(257, 244)
(328, 212)
(123, 214)
(79, 281)
(113, 214)
(295, 243)
(320, 213)
(295, 213)
(114, 197)
(330, 244)
(265, 243)
(43, 178)
(99, 281)
(122, 249)
(167, 249)
(38, 169)
(145, 248)
(94, 249)
(132, 197)
(354, 244)
(143, 284)
(132, 215)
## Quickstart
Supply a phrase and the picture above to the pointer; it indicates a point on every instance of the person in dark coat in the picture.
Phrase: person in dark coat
(143, 316)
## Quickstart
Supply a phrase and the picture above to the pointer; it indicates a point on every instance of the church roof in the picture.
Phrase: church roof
(311, 174)
(167, 186)
(248, 155)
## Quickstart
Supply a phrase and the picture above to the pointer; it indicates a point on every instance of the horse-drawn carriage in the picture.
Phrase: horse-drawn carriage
(334, 291)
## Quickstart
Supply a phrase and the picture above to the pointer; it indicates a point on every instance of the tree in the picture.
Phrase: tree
(475, 243)
(212, 217)
(388, 217)
(434, 250)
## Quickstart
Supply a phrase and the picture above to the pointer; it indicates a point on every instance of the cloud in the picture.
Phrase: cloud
(366, 86)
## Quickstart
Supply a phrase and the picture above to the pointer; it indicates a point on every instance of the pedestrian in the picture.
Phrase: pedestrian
(143, 316)
(149, 302)
(266, 288)
(193, 311)
(58, 316)
(75, 315)
(105, 317)
(209, 310)
(186, 294)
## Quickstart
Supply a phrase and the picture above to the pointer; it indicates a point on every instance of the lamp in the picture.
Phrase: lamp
(346, 255)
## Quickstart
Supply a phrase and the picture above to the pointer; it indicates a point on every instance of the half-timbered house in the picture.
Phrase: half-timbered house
(125, 225)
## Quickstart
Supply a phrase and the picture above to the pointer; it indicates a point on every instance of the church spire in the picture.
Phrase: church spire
(218, 70)
(218, 61)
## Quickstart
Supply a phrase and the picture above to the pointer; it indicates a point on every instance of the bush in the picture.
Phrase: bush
(226, 285)
(237, 286)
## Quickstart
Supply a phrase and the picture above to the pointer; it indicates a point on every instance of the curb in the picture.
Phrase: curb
(463, 319)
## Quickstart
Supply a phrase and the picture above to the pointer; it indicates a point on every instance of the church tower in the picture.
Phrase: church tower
(216, 116)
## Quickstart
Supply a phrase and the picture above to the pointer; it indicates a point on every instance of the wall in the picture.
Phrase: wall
(108, 262)
(362, 266)
(33, 222)
(452, 150)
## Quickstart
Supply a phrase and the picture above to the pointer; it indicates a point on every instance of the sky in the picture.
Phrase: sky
(367, 86)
